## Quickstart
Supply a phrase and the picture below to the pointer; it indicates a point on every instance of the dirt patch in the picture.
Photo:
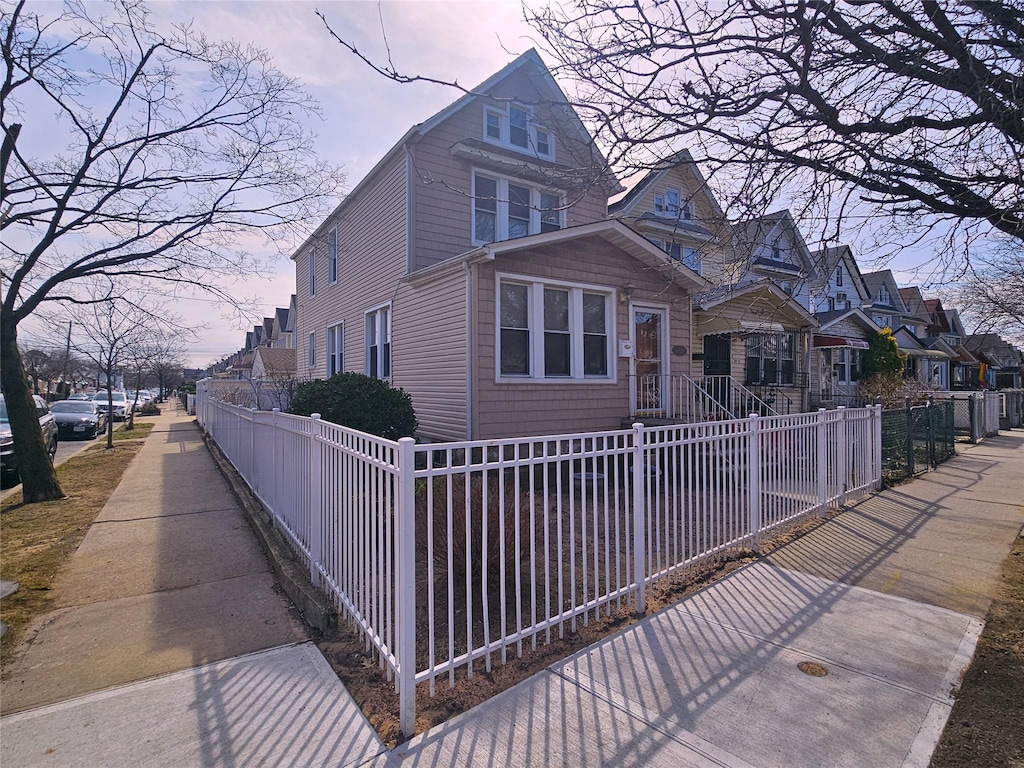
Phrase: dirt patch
(36, 540)
(376, 696)
(986, 726)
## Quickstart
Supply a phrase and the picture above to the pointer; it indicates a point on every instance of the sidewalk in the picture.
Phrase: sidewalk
(886, 598)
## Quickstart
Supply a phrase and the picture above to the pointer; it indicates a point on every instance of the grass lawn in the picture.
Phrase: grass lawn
(986, 726)
(37, 539)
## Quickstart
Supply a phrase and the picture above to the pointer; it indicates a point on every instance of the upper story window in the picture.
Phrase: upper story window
(553, 331)
(378, 342)
(883, 295)
(514, 127)
(839, 275)
(671, 204)
(332, 256)
(688, 256)
(312, 273)
(504, 209)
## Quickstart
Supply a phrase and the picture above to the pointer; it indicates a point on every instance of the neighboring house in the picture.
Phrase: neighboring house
(884, 305)
(838, 294)
(750, 327)
(284, 320)
(475, 267)
(1001, 361)
(273, 377)
(945, 324)
(933, 368)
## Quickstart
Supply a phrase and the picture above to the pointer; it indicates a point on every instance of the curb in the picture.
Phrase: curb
(314, 606)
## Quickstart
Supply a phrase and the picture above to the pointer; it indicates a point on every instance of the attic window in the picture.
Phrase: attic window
(514, 128)
(839, 275)
(883, 295)
(671, 204)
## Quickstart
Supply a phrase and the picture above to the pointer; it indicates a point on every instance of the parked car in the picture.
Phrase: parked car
(116, 407)
(80, 396)
(77, 418)
(8, 455)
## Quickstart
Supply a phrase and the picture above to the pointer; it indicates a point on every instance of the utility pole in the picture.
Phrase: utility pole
(67, 357)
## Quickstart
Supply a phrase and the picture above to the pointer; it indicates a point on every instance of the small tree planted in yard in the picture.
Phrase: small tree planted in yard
(882, 364)
(360, 402)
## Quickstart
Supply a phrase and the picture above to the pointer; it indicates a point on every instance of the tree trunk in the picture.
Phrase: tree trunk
(38, 477)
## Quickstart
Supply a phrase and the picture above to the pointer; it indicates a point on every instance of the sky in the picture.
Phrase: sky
(363, 113)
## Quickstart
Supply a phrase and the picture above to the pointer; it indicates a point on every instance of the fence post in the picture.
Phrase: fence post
(754, 478)
(253, 479)
(405, 587)
(822, 462)
(639, 518)
(842, 456)
(930, 410)
(972, 415)
(275, 506)
(876, 445)
(315, 499)
(910, 436)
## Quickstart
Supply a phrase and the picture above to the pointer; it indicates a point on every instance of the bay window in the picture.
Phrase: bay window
(504, 209)
(552, 331)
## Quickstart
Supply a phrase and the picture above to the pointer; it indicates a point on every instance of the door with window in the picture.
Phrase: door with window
(650, 337)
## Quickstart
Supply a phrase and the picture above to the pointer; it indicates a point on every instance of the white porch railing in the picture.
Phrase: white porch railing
(448, 556)
(680, 398)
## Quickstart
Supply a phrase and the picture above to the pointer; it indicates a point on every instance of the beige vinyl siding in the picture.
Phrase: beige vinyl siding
(519, 408)
(847, 328)
(371, 261)
(714, 254)
(442, 183)
(429, 353)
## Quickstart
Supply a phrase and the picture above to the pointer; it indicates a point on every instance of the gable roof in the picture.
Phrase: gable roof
(748, 235)
(763, 287)
(828, 319)
(914, 302)
(826, 260)
(530, 58)
(613, 231)
(874, 280)
(277, 360)
(623, 206)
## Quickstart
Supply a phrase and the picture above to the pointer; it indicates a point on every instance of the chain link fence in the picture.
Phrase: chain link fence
(916, 438)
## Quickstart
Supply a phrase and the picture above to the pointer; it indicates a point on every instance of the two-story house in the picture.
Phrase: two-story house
(964, 367)
(751, 325)
(932, 368)
(475, 267)
(838, 295)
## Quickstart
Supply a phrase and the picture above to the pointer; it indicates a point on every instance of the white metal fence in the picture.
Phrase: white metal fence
(450, 555)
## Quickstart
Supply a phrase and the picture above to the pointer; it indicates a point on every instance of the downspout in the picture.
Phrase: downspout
(470, 357)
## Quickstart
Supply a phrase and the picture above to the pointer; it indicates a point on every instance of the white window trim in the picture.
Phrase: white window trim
(332, 260)
(311, 351)
(380, 347)
(338, 352)
(312, 272)
(532, 127)
(501, 230)
(536, 287)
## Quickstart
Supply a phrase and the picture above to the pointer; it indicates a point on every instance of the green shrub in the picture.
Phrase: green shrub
(149, 409)
(360, 402)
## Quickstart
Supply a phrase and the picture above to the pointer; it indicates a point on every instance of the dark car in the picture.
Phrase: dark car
(8, 457)
(78, 418)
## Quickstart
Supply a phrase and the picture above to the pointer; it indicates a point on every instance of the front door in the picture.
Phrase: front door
(717, 355)
(650, 342)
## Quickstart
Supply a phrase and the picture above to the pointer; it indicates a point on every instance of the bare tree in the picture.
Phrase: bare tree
(135, 154)
(168, 360)
(913, 107)
(991, 294)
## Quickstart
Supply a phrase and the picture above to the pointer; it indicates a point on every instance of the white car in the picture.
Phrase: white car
(116, 407)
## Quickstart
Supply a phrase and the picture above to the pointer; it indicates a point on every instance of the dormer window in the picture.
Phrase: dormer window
(776, 253)
(515, 129)
(883, 295)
